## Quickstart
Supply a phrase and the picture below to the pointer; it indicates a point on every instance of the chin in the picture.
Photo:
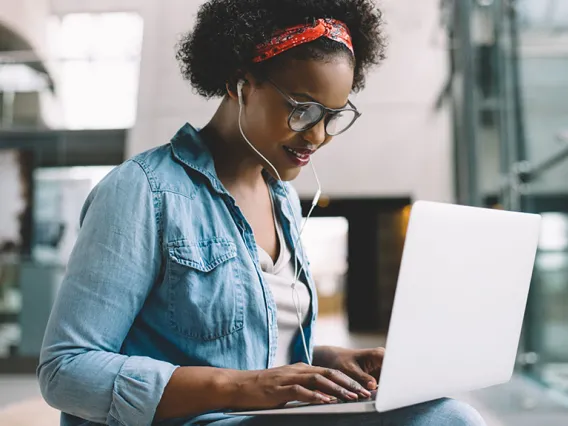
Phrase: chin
(287, 175)
(291, 175)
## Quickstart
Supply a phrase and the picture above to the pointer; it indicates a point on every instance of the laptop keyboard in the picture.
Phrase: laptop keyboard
(336, 401)
(361, 399)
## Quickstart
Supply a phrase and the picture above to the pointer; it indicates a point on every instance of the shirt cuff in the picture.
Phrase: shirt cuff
(137, 392)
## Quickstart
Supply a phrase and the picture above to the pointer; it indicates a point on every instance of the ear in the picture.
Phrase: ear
(238, 93)
(232, 85)
(232, 90)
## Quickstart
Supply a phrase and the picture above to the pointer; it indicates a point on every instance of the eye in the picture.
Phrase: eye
(339, 122)
(302, 111)
(305, 116)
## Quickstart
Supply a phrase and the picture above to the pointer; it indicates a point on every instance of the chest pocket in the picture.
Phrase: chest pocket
(205, 290)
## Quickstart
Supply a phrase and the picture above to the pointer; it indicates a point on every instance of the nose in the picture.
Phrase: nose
(316, 135)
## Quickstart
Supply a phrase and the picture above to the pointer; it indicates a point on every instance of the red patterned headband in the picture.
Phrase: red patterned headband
(305, 33)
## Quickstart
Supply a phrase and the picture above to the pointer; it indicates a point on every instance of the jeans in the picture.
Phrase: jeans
(445, 412)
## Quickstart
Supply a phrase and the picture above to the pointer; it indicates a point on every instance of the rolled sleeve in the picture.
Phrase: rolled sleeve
(138, 389)
(112, 270)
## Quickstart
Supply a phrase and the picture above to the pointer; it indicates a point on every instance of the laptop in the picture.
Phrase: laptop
(458, 309)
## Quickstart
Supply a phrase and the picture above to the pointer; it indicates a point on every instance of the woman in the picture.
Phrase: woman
(177, 304)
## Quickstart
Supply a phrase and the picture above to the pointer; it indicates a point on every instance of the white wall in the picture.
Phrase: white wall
(400, 147)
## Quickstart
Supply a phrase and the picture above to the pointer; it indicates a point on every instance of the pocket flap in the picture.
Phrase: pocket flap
(203, 255)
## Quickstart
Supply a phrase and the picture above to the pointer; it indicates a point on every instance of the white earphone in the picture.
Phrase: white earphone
(295, 294)
(240, 86)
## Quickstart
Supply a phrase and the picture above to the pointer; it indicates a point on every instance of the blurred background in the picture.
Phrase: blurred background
(471, 106)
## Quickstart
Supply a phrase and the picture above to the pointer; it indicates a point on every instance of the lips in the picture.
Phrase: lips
(300, 152)
(303, 151)
(300, 156)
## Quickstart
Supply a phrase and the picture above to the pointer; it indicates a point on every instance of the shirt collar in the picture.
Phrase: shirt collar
(189, 148)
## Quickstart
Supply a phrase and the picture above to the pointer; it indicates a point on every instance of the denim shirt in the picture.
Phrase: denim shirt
(165, 273)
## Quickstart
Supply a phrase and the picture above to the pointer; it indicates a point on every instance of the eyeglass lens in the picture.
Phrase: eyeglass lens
(306, 116)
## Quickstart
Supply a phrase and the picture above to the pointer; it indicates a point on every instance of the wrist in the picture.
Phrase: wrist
(229, 385)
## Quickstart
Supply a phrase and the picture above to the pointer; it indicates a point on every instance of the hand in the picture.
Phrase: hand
(362, 365)
(299, 382)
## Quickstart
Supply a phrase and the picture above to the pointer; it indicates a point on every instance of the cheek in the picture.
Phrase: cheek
(270, 122)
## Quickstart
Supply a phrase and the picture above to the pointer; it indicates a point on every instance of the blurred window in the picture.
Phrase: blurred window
(97, 64)
(544, 14)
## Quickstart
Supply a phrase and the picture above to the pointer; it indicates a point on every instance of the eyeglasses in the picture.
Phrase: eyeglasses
(306, 115)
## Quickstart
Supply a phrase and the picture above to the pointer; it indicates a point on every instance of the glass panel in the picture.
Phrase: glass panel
(550, 298)
(543, 37)
(543, 14)
(545, 91)
(325, 241)
(60, 195)
(13, 207)
(492, 96)
(543, 69)
(519, 111)
(28, 285)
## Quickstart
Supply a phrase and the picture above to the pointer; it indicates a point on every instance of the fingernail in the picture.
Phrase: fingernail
(324, 398)
(371, 385)
(352, 395)
(365, 393)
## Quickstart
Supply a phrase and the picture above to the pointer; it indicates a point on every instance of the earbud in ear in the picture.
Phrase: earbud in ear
(240, 85)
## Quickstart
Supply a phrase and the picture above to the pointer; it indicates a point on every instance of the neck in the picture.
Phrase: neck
(236, 165)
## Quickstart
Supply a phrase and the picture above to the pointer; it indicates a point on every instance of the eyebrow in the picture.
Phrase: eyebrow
(305, 95)
(311, 98)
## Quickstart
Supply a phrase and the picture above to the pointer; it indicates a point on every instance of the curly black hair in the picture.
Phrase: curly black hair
(222, 45)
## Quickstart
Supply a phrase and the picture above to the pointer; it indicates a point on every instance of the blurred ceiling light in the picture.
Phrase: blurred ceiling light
(21, 78)
(554, 232)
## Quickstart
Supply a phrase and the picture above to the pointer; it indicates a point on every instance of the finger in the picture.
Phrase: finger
(366, 380)
(318, 382)
(298, 392)
(346, 381)
(336, 376)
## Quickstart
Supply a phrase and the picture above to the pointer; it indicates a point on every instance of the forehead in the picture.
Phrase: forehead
(328, 81)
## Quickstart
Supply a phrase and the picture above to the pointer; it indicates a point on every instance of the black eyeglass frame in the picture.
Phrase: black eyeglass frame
(325, 112)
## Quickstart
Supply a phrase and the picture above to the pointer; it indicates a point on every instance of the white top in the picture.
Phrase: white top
(280, 276)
